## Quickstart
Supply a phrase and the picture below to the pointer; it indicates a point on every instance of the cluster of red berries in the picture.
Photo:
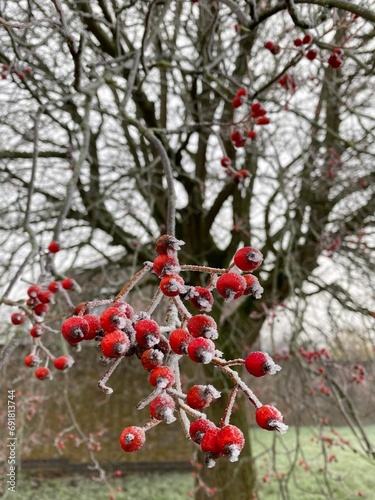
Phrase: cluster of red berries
(313, 354)
(244, 129)
(336, 59)
(288, 82)
(21, 73)
(123, 332)
(237, 175)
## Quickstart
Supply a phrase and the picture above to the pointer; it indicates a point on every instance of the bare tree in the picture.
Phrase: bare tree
(97, 97)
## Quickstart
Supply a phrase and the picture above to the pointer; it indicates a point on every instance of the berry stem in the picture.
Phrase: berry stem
(154, 302)
(147, 400)
(203, 269)
(39, 343)
(102, 382)
(151, 424)
(229, 408)
(184, 313)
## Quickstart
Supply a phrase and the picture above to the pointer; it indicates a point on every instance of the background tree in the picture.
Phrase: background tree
(95, 98)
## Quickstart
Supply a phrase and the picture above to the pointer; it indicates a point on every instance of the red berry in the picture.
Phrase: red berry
(262, 120)
(202, 325)
(172, 285)
(68, 284)
(201, 350)
(37, 331)
(132, 438)
(33, 291)
(298, 42)
(179, 340)
(230, 286)
(168, 244)
(201, 396)
(241, 92)
(41, 309)
(147, 332)
(125, 308)
(115, 344)
(237, 101)
(231, 441)
(202, 299)
(241, 175)
(253, 286)
(251, 134)
(17, 318)
(31, 360)
(94, 325)
(198, 428)
(74, 329)
(165, 264)
(151, 358)
(63, 362)
(268, 45)
(162, 377)
(311, 54)
(46, 297)
(335, 61)
(113, 319)
(248, 258)
(236, 136)
(270, 418)
(260, 363)
(42, 373)
(162, 408)
(225, 162)
(54, 247)
(307, 39)
(54, 286)
(209, 442)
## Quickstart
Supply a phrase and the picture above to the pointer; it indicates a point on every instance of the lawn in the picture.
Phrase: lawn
(306, 468)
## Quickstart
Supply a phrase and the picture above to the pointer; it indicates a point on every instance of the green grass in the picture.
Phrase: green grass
(299, 470)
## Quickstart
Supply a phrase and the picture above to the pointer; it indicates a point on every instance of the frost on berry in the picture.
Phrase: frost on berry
(201, 350)
(162, 377)
(113, 319)
(210, 445)
(202, 325)
(17, 318)
(164, 265)
(253, 286)
(147, 332)
(125, 308)
(270, 418)
(198, 428)
(230, 286)
(202, 299)
(231, 441)
(151, 358)
(248, 258)
(33, 291)
(172, 285)
(74, 329)
(115, 344)
(168, 244)
(260, 363)
(54, 286)
(37, 331)
(132, 438)
(32, 360)
(63, 363)
(42, 373)
(95, 328)
(201, 396)
(162, 408)
(68, 284)
(179, 340)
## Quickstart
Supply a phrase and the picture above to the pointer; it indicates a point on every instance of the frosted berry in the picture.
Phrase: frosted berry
(95, 328)
(270, 418)
(63, 363)
(33, 291)
(162, 377)
(168, 244)
(41, 309)
(151, 358)
(115, 344)
(37, 331)
(248, 258)
(172, 285)
(132, 438)
(113, 319)
(253, 286)
(54, 247)
(260, 363)
(199, 427)
(201, 396)
(42, 373)
(202, 299)
(202, 325)
(162, 408)
(68, 284)
(125, 308)
(210, 445)
(46, 297)
(179, 340)
(165, 264)
(32, 360)
(230, 286)
(201, 350)
(147, 333)
(17, 318)
(54, 286)
(74, 329)
(231, 441)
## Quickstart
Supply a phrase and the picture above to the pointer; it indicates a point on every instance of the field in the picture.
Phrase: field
(299, 473)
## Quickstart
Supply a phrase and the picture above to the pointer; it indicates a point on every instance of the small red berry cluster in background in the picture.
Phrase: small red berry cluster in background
(274, 48)
(14, 69)
(122, 332)
(288, 82)
(238, 176)
(243, 130)
(336, 59)
(359, 373)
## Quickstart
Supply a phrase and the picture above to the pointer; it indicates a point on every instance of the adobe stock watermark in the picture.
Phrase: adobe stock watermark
(11, 445)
